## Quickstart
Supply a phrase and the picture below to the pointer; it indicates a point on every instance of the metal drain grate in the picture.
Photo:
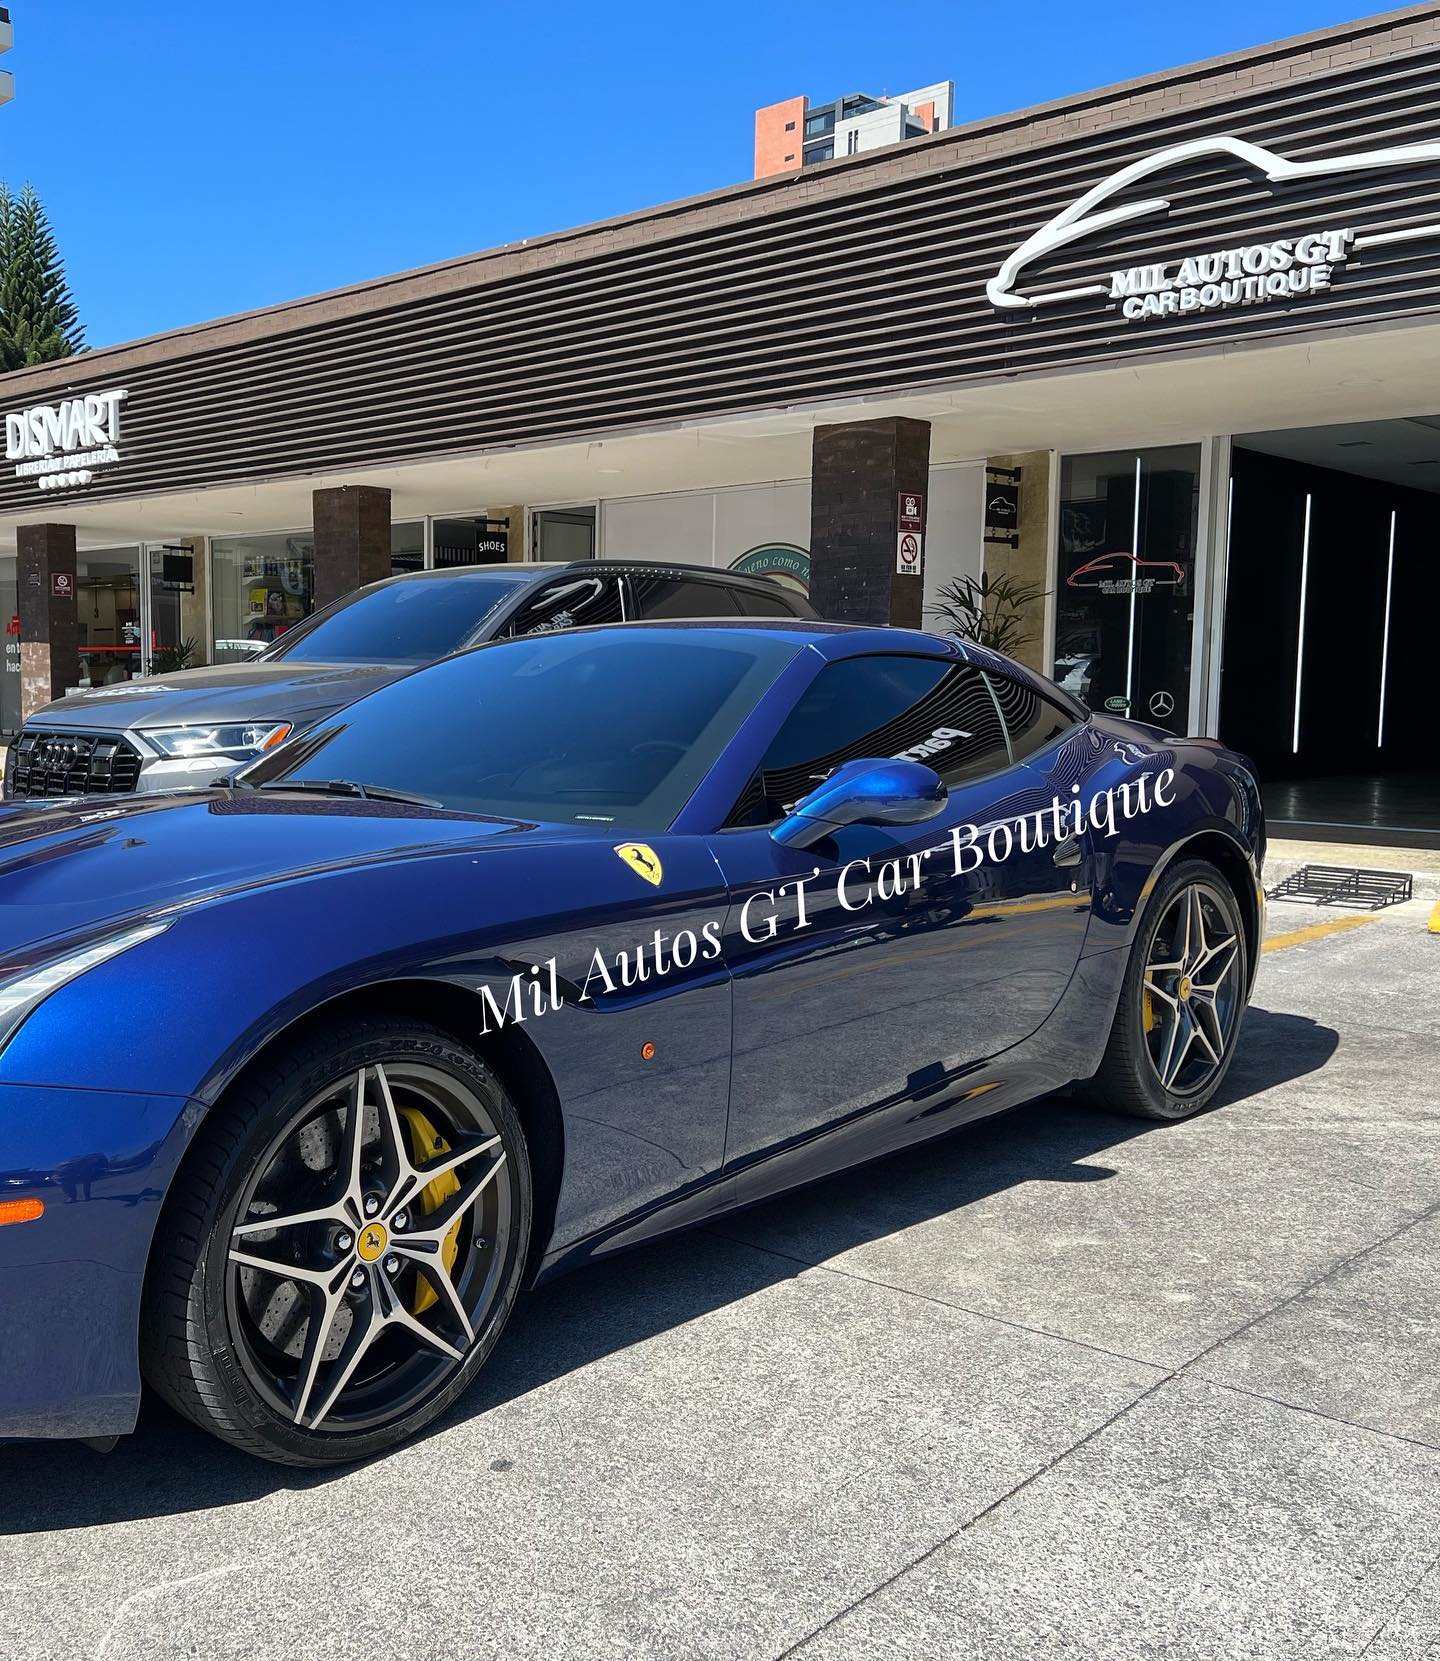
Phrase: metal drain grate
(1344, 885)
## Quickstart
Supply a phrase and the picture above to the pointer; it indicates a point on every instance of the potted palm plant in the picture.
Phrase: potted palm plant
(991, 611)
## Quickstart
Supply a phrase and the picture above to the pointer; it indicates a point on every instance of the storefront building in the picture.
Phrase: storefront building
(1169, 352)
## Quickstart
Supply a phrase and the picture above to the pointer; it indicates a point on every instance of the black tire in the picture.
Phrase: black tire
(1129, 1079)
(200, 1348)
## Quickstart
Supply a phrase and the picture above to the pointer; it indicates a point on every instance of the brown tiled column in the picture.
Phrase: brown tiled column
(859, 473)
(49, 634)
(352, 539)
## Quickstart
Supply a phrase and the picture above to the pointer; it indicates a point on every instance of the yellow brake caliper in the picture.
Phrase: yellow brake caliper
(430, 1144)
(1147, 1011)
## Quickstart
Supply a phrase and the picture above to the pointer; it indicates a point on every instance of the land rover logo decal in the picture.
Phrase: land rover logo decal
(1304, 261)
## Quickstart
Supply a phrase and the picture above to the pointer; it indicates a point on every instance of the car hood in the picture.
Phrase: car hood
(299, 693)
(74, 867)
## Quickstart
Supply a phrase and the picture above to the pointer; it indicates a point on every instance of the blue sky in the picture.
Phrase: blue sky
(201, 158)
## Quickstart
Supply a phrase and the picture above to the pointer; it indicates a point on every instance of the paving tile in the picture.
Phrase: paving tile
(1382, 975)
(1362, 1346)
(1203, 1524)
(1412, 1631)
(1154, 1242)
(696, 1451)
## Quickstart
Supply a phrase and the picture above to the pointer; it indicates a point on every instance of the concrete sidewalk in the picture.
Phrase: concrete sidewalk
(1063, 1386)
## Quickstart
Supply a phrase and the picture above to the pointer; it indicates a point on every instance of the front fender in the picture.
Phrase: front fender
(641, 1071)
(1213, 805)
(100, 1163)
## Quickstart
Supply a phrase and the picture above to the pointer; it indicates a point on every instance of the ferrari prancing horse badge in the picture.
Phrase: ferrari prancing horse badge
(642, 860)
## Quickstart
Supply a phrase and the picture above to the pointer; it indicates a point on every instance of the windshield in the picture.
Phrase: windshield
(403, 622)
(617, 727)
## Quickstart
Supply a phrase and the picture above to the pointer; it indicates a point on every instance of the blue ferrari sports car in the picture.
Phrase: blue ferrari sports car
(555, 946)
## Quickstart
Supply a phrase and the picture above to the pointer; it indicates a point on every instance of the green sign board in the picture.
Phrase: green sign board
(782, 561)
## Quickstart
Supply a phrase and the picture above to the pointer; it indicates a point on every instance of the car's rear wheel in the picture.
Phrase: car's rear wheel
(1182, 1001)
(342, 1247)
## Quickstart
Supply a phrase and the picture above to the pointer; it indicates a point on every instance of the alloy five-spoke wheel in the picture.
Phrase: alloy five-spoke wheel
(1192, 987)
(350, 1241)
(365, 1250)
(1182, 1000)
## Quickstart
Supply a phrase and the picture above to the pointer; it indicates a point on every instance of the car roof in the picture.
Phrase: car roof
(534, 570)
(830, 639)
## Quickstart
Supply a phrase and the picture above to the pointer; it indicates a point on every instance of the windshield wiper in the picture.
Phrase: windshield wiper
(352, 787)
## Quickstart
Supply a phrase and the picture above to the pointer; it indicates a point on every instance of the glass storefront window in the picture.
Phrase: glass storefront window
(407, 547)
(10, 674)
(1124, 610)
(107, 614)
(260, 587)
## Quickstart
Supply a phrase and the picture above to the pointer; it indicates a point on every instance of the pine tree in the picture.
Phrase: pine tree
(39, 320)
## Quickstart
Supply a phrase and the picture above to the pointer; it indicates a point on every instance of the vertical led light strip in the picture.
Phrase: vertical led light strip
(1300, 635)
(1134, 584)
(1385, 639)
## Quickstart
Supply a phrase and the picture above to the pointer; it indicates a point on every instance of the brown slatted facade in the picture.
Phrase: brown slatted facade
(842, 290)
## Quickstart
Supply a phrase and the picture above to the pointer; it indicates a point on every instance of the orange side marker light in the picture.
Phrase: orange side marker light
(647, 1051)
(20, 1211)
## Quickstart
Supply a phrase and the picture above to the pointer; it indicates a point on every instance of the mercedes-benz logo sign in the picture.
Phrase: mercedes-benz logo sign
(1161, 705)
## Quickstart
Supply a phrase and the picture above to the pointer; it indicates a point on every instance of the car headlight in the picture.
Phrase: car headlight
(235, 739)
(20, 992)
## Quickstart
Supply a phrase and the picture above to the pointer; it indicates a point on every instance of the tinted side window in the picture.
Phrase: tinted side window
(756, 604)
(1031, 720)
(666, 596)
(929, 710)
(402, 622)
(570, 603)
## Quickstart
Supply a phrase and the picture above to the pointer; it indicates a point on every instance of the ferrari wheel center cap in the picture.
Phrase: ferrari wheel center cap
(1185, 984)
(372, 1242)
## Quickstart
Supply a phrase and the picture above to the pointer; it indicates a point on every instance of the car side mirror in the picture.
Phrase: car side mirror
(871, 792)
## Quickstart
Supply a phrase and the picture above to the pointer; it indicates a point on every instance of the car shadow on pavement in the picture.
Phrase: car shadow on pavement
(169, 1467)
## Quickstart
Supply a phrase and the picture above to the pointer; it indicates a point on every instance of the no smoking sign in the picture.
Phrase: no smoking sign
(909, 545)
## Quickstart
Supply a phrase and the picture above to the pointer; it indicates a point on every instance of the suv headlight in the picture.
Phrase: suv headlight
(238, 740)
(23, 989)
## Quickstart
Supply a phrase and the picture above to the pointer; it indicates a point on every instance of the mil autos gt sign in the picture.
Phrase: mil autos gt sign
(61, 445)
(1247, 274)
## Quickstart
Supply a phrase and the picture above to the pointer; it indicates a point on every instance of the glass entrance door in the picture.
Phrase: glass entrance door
(173, 633)
(562, 533)
(10, 671)
(107, 614)
(1125, 595)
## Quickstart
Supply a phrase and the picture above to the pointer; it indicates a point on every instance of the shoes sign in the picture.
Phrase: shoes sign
(1286, 268)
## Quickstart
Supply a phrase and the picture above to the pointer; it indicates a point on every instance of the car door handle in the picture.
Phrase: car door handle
(1067, 852)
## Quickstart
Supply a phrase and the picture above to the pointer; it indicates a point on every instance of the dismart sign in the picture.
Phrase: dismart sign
(61, 445)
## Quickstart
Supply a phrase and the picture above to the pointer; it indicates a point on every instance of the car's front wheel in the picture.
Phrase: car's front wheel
(342, 1246)
(1182, 1001)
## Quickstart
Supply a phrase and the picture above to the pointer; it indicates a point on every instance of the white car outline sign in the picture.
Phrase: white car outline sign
(1084, 216)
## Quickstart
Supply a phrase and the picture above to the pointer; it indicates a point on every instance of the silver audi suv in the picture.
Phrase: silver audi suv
(195, 725)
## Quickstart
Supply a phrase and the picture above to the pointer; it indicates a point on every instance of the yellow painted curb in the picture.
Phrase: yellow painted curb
(1316, 931)
(1435, 919)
